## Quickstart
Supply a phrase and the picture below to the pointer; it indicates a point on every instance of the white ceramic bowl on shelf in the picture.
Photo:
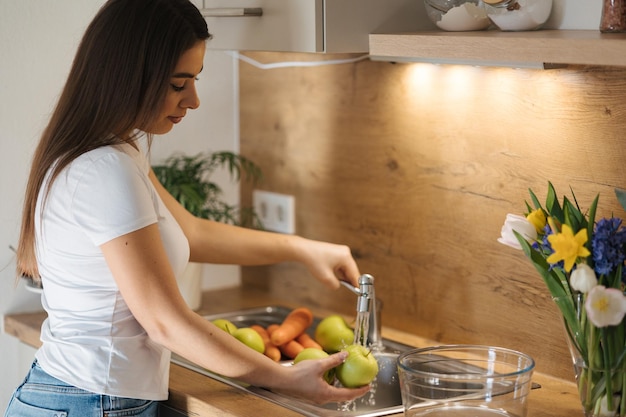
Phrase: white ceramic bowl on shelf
(457, 15)
(519, 15)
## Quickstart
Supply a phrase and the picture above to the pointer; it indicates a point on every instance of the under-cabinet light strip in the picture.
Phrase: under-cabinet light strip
(287, 64)
(475, 63)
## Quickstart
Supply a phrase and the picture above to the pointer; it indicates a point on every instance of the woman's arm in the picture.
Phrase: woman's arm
(141, 269)
(214, 242)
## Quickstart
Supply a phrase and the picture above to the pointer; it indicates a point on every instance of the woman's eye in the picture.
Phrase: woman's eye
(177, 88)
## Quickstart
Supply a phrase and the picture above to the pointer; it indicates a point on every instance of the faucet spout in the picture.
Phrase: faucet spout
(367, 314)
(366, 289)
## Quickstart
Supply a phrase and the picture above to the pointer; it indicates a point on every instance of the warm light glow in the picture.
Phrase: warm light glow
(420, 76)
(441, 82)
(473, 88)
(460, 82)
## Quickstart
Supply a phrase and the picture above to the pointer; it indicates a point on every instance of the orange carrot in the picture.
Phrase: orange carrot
(307, 341)
(271, 351)
(296, 322)
(289, 349)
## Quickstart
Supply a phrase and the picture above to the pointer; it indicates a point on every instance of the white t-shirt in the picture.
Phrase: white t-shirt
(90, 338)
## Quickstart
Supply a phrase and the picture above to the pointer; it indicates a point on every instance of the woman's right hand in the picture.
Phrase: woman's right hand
(305, 381)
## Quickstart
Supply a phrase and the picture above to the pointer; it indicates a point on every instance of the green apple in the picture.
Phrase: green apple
(225, 325)
(250, 338)
(333, 334)
(360, 367)
(315, 353)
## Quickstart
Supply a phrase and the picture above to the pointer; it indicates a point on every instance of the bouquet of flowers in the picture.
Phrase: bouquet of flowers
(582, 263)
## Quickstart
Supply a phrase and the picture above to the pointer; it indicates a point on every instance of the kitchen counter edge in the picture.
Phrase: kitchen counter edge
(198, 395)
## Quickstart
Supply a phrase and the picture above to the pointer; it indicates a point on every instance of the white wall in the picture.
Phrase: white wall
(38, 39)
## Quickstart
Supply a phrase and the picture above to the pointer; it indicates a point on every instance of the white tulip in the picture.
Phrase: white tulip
(605, 306)
(521, 226)
(583, 278)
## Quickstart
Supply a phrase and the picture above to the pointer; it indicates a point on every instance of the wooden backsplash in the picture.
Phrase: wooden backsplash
(415, 166)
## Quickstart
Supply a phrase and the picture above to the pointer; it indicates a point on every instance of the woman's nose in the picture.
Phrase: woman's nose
(191, 101)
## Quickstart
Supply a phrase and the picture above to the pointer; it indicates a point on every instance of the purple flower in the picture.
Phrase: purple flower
(608, 245)
(544, 247)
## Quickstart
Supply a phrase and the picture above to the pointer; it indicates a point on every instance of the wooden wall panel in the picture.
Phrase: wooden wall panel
(415, 166)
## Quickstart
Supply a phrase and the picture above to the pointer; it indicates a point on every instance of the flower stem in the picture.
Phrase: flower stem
(622, 405)
(589, 367)
(608, 372)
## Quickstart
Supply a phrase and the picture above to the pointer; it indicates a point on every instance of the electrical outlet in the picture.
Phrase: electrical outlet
(276, 211)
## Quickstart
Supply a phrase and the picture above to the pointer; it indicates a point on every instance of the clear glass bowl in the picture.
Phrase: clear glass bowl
(465, 380)
(519, 15)
(457, 15)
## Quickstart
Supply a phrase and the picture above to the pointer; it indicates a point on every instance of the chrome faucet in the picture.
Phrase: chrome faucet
(367, 302)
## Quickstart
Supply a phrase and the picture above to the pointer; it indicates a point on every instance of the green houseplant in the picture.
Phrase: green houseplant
(188, 179)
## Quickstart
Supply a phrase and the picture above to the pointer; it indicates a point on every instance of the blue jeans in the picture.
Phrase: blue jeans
(42, 395)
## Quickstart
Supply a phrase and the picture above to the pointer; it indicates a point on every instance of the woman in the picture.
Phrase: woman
(107, 240)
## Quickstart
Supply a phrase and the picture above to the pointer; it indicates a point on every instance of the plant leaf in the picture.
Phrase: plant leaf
(552, 204)
(572, 216)
(557, 284)
(621, 197)
(535, 199)
(591, 221)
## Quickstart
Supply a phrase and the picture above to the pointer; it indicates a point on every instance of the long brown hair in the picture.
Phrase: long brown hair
(116, 85)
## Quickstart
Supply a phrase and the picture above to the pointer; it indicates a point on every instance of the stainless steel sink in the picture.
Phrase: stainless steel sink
(384, 399)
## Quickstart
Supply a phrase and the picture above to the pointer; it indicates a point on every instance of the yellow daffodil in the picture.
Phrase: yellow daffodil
(567, 247)
(538, 219)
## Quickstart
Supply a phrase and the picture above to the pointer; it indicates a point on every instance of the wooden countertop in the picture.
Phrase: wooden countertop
(199, 395)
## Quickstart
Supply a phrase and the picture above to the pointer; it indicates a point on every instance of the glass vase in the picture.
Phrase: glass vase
(594, 386)
(613, 16)
(601, 383)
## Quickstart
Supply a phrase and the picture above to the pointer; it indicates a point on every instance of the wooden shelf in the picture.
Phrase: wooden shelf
(579, 47)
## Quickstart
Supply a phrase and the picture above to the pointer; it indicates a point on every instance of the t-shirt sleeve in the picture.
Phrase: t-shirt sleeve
(112, 197)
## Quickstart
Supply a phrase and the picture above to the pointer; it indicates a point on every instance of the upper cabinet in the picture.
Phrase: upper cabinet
(330, 26)
(396, 30)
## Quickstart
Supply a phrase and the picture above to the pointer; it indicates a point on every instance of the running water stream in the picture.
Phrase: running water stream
(365, 307)
(361, 328)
